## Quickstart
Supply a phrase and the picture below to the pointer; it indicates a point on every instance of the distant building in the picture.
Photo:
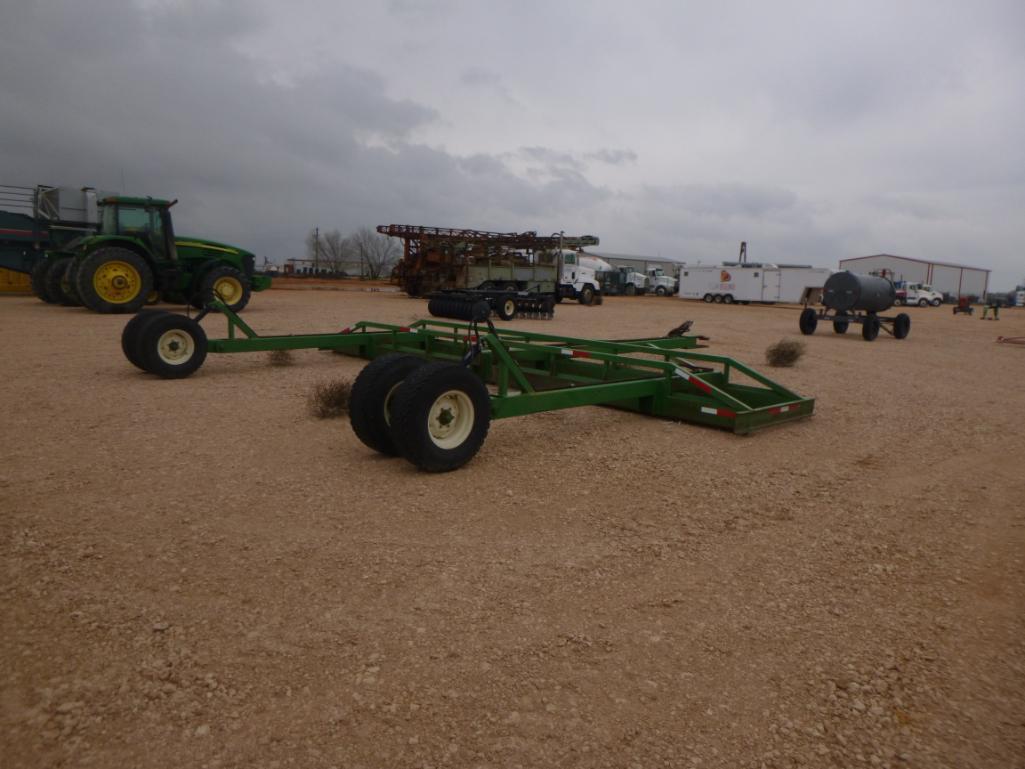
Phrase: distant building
(953, 279)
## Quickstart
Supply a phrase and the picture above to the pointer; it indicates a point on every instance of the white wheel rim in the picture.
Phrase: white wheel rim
(175, 347)
(387, 402)
(510, 307)
(450, 419)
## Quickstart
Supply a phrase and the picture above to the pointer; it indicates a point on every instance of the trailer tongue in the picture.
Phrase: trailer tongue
(434, 409)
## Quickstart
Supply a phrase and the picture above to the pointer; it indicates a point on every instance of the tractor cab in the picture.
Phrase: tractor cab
(147, 220)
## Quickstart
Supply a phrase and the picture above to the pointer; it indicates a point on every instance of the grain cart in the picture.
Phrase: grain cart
(855, 298)
(433, 387)
(135, 257)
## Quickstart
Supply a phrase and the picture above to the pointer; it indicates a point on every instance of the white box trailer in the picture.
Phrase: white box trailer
(751, 282)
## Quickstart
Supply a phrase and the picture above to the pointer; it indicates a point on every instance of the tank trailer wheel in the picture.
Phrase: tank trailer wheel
(808, 321)
(113, 280)
(870, 328)
(171, 346)
(708, 298)
(371, 399)
(840, 326)
(440, 417)
(506, 309)
(586, 295)
(224, 283)
(901, 326)
(131, 335)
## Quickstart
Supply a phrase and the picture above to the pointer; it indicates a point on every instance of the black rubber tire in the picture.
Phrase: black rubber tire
(416, 438)
(901, 326)
(505, 308)
(88, 267)
(936, 302)
(898, 302)
(586, 295)
(53, 277)
(37, 278)
(372, 395)
(727, 299)
(717, 298)
(708, 298)
(548, 306)
(205, 293)
(130, 336)
(870, 328)
(923, 303)
(162, 337)
(660, 291)
(66, 285)
(808, 321)
(630, 290)
(840, 326)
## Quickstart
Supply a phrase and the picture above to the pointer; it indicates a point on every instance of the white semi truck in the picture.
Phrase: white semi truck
(751, 282)
(578, 276)
(659, 283)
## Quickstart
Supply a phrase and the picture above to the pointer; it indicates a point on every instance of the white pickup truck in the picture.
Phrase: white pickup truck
(921, 294)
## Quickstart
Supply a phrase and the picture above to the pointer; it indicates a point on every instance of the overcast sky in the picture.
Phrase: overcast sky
(813, 130)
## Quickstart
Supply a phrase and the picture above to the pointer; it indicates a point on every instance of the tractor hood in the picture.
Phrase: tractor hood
(182, 241)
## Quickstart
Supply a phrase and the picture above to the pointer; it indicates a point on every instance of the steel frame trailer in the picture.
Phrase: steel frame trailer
(433, 387)
(872, 323)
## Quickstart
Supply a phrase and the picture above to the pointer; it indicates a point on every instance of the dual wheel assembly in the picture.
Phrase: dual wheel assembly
(167, 344)
(435, 414)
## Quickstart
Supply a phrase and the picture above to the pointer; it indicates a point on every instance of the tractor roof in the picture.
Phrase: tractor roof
(125, 200)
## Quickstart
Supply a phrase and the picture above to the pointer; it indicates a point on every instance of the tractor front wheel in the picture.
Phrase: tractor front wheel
(226, 284)
(371, 399)
(440, 416)
(171, 346)
(113, 280)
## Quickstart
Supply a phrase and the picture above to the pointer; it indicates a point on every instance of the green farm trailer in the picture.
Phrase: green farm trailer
(433, 387)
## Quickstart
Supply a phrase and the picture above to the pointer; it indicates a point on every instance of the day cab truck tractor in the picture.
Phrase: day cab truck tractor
(661, 284)
(135, 258)
(917, 293)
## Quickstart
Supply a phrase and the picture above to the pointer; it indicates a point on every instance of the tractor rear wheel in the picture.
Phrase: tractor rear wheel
(901, 326)
(53, 278)
(68, 294)
(808, 321)
(131, 335)
(224, 283)
(440, 416)
(370, 402)
(113, 280)
(171, 346)
(38, 279)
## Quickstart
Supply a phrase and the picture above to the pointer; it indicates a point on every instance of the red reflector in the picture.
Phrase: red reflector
(727, 413)
(703, 386)
(581, 354)
(403, 328)
(347, 330)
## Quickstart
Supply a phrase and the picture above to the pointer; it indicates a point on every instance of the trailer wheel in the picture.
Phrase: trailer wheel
(586, 295)
(728, 299)
(506, 309)
(808, 321)
(171, 346)
(440, 417)
(840, 326)
(717, 298)
(113, 280)
(708, 298)
(870, 328)
(901, 326)
(131, 335)
(373, 392)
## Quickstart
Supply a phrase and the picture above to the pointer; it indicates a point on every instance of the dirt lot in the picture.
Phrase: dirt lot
(198, 573)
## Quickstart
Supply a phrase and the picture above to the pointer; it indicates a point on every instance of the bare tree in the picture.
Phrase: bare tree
(328, 251)
(376, 252)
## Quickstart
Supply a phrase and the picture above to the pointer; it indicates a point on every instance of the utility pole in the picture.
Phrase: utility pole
(316, 250)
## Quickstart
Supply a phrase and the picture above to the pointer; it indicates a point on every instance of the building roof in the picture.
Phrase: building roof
(913, 259)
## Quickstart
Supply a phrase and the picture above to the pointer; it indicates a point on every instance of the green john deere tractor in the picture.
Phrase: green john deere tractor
(135, 259)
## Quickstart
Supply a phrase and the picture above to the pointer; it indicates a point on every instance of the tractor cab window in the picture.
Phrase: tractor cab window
(108, 226)
(133, 221)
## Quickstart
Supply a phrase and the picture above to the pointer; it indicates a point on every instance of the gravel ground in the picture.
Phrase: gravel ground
(199, 573)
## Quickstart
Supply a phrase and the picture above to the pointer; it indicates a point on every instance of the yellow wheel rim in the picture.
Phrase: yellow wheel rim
(229, 289)
(175, 347)
(117, 282)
